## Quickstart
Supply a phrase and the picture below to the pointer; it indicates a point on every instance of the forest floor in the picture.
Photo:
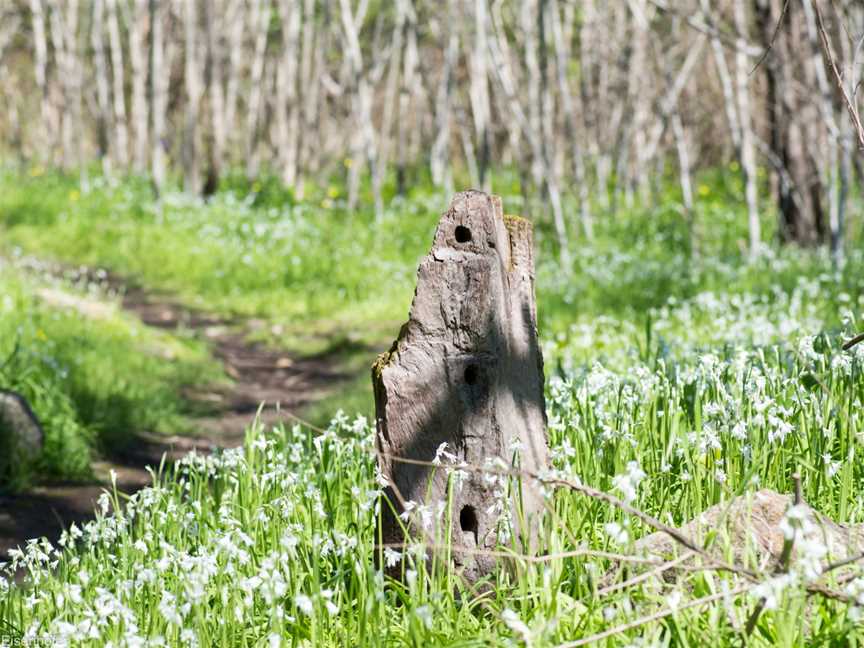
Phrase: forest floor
(279, 383)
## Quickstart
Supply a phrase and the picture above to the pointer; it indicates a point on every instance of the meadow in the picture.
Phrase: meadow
(680, 373)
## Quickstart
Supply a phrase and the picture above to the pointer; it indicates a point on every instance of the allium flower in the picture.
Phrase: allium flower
(616, 532)
(628, 483)
(517, 625)
(392, 557)
(304, 604)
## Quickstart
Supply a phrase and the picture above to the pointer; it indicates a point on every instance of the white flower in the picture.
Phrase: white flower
(304, 604)
(673, 600)
(772, 590)
(391, 557)
(805, 348)
(168, 609)
(424, 613)
(442, 452)
(628, 483)
(831, 467)
(616, 532)
(516, 625)
(406, 512)
(797, 518)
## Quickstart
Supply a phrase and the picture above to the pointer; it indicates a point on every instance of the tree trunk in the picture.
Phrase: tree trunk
(214, 91)
(160, 76)
(100, 64)
(571, 124)
(47, 141)
(138, 59)
(747, 154)
(192, 74)
(439, 159)
(121, 137)
(289, 104)
(799, 197)
(259, 21)
(479, 91)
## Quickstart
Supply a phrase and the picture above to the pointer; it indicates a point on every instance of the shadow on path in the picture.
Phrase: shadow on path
(259, 374)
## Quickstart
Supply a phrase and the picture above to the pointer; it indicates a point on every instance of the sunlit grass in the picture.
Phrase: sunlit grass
(675, 380)
(94, 380)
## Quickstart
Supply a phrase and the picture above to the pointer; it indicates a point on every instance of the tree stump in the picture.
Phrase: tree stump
(466, 370)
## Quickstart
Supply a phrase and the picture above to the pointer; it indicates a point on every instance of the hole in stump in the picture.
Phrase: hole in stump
(463, 234)
(472, 374)
(468, 520)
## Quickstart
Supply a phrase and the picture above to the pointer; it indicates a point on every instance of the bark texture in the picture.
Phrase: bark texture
(467, 371)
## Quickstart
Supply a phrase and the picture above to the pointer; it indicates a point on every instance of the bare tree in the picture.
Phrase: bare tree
(260, 17)
(121, 137)
(40, 45)
(792, 118)
(440, 154)
(194, 89)
(288, 104)
(588, 102)
(100, 63)
(161, 53)
(747, 154)
(139, 35)
(479, 91)
(364, 140)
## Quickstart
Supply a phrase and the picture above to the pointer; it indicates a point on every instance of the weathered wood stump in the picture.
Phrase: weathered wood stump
(466, 370)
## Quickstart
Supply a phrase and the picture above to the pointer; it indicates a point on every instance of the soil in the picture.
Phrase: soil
(259, 374)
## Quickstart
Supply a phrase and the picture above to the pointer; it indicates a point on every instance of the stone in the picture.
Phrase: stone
(21, 435)
(748, 532)
(466, 370)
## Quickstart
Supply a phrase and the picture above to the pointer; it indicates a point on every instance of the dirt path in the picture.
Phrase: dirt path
(259, 374)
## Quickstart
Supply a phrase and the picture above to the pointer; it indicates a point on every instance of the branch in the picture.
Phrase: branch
(851, 108)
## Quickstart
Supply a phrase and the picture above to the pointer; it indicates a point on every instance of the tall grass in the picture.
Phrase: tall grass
(676, 381)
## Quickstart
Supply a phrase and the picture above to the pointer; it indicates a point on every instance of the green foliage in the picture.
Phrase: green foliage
(680, 374)
(92, 381)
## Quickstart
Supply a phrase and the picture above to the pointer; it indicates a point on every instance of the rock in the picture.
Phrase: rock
(749, 533)
(21, 435)
(466, 370)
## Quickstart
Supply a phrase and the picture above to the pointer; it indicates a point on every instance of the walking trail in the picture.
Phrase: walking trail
(259, 375)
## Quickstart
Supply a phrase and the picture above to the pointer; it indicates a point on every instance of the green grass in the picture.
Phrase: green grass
(274, 543)
(93, 380)
(688, 378)
(293, 263)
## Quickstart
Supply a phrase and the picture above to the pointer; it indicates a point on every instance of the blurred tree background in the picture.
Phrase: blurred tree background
(592, 105)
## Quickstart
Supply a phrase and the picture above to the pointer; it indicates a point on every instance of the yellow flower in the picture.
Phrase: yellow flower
(333, 192)
(36, 171)
(41, 334)
(348, 162)
(704, 190)
(74, 195)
